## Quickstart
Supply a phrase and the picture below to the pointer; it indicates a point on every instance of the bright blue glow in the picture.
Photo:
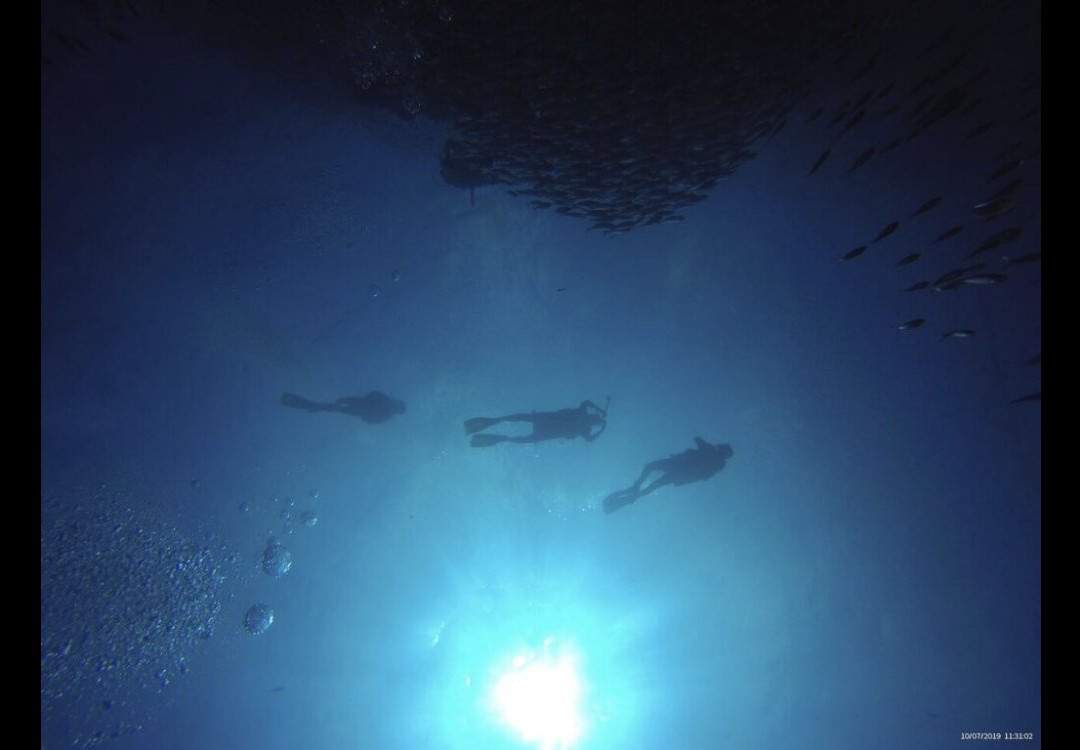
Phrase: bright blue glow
(538, 696)
(520, 659)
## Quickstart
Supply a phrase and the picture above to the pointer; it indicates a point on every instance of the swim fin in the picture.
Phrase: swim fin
(483, 441)
(479, 423)
(616, 500)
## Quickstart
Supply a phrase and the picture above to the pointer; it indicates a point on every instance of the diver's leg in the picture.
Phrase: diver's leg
(483, 440)
(650, 467)
(656, 484)
(517, 418)
(482, 423)
(299, 402)
(479, 423)
(350, 405)
(616, 500)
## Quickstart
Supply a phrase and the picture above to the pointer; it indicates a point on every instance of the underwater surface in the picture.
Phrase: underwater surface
(366, 330)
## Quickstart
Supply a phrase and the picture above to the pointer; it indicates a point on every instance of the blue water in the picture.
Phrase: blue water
(865, 572)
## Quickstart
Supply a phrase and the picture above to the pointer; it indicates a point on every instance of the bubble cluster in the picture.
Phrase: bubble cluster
(126, 599)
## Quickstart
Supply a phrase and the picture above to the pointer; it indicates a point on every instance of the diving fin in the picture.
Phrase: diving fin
(616, 500)
(479, 423)
(483, 441)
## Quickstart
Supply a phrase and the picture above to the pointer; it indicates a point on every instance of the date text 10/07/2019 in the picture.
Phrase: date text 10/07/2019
(997, 736)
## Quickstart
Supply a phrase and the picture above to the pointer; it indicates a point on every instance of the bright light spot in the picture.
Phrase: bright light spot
(538, 697)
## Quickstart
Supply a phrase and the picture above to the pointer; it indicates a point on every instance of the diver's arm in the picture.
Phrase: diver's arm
(587, 403)
(591, 437)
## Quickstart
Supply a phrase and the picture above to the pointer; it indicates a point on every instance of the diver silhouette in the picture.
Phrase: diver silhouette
(693, 465)
(373, 408)
(586, 421)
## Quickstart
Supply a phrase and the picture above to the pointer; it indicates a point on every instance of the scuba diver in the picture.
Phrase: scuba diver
(587, 421)
(693, 465)
(373, 408)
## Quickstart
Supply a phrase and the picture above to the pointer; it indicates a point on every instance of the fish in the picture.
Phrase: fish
(820, 160)
(922, 105)
(985, 279)
(982, 128)
(908, 259)
(117, 35)
(937, 41)
(1008, 191)
(863, 99)
(911, 324)
(917, 286)
(948, 233)
(947, 285)
(644, 168)
(948, 67)
(891, 145)
(866, 68)
(955, 274)
(74, 44)
(1036, 360)
(1000, 203)
(959, 333)
(1005, 169)
(863, 158)
(887, 230)
(853, 253)
(561, 289)
(970, 107)
(840, 115)
(1009, 150)
(1029, 258)
(993, 209)
(1029, 397)
(930, 204)
(996, 239)
(975, 78)
(855, 119)
(889, 111)
(944, 105)
(1030, 113)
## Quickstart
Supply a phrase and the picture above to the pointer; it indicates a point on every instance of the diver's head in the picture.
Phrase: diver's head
(725, 450)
